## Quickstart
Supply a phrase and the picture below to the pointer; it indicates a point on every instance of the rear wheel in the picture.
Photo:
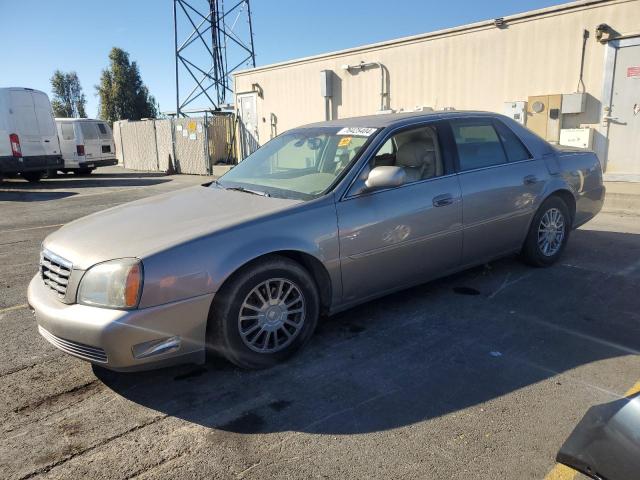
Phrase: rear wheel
(84, 171)
(548, 233)
(264, 314)
(33, 177)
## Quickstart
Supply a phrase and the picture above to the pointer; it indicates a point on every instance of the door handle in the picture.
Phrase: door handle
(530, 180)
(442, 200)
(47, 141)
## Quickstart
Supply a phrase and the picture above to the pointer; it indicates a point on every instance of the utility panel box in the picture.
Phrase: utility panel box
(517, 111)
(544, 116)
(574, 102)
(576, 137)
(326, 83)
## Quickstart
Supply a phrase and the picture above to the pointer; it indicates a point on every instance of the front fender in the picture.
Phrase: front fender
(201, 266)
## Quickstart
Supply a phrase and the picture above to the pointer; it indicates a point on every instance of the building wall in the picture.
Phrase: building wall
(478, 66)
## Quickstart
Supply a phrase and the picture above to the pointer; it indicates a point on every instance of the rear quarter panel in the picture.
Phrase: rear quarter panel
(581, 172)
(577, 171)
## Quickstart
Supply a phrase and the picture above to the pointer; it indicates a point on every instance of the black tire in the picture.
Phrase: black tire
(532, 251)
(33, 177)
(223, 331)
(84, 171)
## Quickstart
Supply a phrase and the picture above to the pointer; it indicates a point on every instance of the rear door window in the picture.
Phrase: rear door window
(89, 131)
(103, 130)
(67, 131)
(477, 143)
(516, 151)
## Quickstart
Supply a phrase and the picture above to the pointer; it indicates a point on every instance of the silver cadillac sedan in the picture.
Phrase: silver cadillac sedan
(319, 219)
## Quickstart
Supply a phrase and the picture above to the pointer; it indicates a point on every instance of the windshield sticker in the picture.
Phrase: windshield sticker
(357, 131)
(344, 142)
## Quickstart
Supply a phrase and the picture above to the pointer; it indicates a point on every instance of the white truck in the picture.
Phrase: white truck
(28, 140)
(85, 144)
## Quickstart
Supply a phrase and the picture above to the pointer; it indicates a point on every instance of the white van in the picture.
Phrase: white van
(86, 144)
(28, 140)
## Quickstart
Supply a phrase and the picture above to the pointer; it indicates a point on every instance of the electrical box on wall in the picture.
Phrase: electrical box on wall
(517, 111)
(574, 102)
(326, 83)
(544, 116)
(576, 137)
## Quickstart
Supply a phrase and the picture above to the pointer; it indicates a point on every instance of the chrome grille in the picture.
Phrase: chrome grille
(86, 352)
(55, 272)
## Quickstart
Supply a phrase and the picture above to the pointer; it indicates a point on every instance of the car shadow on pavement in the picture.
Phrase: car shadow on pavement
(12, 191)
(422, 353)
(26, 196)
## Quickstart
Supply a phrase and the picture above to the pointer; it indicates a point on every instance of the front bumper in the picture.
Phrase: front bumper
(107, 337)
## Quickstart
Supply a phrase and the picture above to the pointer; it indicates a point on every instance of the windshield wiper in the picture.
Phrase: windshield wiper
(246, 190)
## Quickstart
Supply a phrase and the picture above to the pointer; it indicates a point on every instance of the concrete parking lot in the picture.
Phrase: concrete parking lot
(479, 375)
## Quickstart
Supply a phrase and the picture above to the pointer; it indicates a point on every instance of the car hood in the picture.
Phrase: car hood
(150, 225)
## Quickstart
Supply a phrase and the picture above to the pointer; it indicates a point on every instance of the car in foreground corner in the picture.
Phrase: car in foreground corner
(319, 219)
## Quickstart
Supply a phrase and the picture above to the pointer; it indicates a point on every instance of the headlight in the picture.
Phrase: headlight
(114, 284)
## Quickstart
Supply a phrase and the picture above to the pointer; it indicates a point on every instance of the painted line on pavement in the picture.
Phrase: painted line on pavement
(15, 307)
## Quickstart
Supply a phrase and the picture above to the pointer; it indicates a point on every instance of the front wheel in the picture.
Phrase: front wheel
(265, 313)
(548, 233)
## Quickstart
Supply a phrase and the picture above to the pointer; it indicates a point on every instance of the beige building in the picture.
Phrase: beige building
(534, 57)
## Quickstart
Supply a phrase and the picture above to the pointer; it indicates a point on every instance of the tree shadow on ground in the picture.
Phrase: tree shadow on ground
(421, 353)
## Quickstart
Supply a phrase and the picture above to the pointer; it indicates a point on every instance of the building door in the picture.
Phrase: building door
(248, 125)
(623, 112)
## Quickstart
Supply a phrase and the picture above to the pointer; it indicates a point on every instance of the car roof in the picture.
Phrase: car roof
(385, 120)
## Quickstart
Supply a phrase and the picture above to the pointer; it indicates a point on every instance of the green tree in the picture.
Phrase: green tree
(122, 93)
(68, 99)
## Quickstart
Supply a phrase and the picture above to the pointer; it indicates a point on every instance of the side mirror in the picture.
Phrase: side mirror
(385, 177)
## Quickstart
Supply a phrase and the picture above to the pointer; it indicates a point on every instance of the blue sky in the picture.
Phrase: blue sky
(40, 36)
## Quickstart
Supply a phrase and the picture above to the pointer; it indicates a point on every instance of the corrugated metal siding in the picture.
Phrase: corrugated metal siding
(480, 68)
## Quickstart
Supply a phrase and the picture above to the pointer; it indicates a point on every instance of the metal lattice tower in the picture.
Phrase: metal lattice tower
(211, 42)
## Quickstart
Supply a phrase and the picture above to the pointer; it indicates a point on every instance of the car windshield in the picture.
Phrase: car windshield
(299, 164)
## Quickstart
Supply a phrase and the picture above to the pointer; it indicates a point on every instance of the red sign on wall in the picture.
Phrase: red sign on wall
(633, 71)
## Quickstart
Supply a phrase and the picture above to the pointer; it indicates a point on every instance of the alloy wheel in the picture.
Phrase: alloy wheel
(551, 232)
(271, 315)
